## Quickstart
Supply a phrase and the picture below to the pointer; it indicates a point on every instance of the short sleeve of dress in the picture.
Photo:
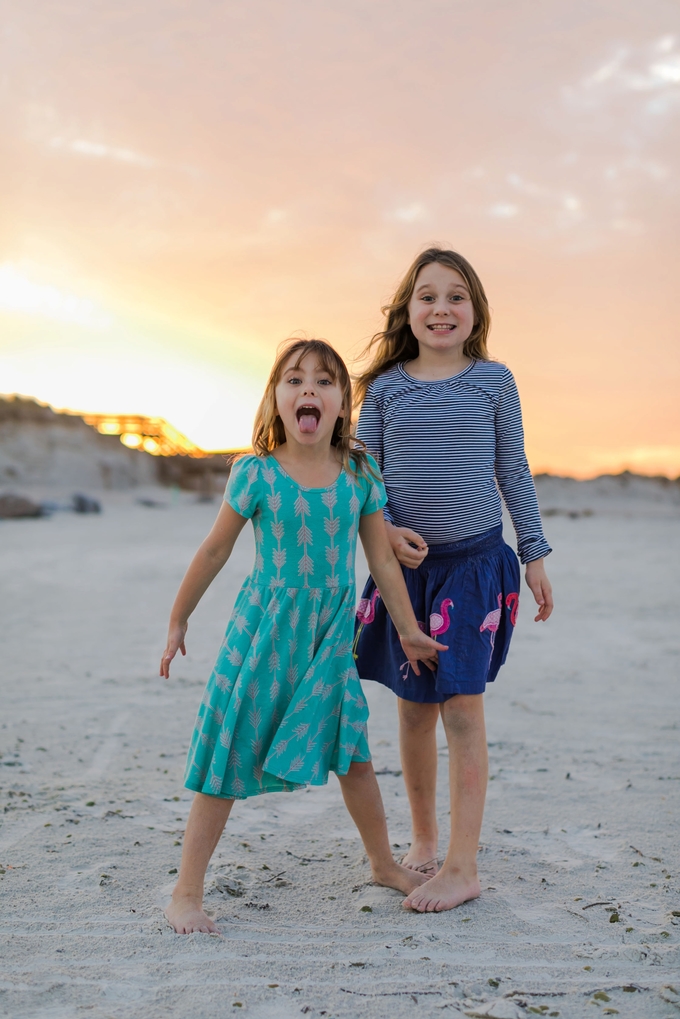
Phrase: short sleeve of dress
(375, 496)
(244, 487)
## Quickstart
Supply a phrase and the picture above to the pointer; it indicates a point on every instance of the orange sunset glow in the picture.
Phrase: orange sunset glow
(185, 185)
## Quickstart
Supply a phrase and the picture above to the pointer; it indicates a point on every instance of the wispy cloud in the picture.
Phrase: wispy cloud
(97, 150)
(654, 68)
(504, 210)
(416, 212)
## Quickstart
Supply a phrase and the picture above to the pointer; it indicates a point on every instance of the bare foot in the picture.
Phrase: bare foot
(186, 916)
(428, 867)
(401, 878)
(448, 889)
(422, 856)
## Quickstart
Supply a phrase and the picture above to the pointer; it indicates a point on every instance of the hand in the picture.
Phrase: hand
(419, 647)
(539, 585)
(176, 635)
(402, 540)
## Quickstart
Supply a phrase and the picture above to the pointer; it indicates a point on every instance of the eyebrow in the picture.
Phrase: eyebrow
(319, 370)
(457, 286)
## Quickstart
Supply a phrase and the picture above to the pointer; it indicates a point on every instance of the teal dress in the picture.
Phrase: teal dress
(284, 705)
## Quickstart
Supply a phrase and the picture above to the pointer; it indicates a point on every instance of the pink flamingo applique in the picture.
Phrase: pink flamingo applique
(512, 601)
(440, 623)
(407, 665)
(492, 622)
(366, 608)
(365, 614)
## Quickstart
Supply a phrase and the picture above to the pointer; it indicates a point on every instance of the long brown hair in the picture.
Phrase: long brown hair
(396, 341)
(268, 430)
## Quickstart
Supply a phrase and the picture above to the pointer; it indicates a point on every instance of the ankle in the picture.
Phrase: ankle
(466, 869)
(429, 837)
(382, 867)
(187, 895)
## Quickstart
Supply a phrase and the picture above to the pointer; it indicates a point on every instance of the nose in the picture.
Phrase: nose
(441, 308)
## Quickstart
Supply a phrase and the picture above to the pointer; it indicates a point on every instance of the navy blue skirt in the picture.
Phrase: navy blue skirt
(464, 593)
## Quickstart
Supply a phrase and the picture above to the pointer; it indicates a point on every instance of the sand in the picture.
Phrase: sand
(582, 812)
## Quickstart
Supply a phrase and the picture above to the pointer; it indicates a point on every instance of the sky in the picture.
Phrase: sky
(184, 185)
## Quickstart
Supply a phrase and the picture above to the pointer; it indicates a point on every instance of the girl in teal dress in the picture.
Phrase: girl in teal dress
(284, 705)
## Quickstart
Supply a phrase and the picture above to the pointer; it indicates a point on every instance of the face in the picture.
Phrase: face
(440, 311)
(308, 400)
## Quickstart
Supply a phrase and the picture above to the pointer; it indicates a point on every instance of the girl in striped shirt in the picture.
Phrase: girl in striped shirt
(445, 425)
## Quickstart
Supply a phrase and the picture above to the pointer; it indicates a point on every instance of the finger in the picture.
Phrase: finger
(544, 613)
(182, 648)
(408, 559)
(549, 603)
(165, 662)
(413, 553)
(544, 600)
(413, 536)
(414, 665)
(417, 553)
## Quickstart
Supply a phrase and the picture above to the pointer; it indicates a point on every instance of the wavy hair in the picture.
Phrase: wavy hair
(396, 341)
(268, 430)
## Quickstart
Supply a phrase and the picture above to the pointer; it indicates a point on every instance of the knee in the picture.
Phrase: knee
(463, 715)
(417, 718)
(358, 770)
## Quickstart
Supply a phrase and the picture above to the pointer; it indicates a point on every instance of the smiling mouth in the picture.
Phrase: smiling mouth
(442, 327)
(308, 418)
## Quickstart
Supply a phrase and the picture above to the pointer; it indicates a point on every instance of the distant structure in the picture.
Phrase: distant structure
(41, 446)
(153, 435)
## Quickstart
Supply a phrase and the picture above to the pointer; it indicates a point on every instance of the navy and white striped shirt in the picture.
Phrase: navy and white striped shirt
(442, 447)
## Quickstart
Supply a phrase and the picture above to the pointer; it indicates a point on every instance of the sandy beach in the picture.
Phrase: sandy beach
(580, 850)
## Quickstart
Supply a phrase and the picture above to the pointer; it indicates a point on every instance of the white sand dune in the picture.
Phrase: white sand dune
(582, 814)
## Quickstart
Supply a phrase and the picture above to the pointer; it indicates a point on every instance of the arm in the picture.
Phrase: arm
(387, 574)
(204, 567)
(518, 490)
(402, 539)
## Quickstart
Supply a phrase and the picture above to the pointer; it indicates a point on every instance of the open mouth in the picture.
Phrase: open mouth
(308, 418)
(441, 327)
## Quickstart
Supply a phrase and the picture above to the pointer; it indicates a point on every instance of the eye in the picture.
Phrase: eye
(294, 380)
(427, 297)
(325, 382)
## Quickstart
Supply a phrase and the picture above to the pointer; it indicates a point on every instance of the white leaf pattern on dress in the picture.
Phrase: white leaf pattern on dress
(331, 526)
(304, 535)
(255, 717)
(306, 564)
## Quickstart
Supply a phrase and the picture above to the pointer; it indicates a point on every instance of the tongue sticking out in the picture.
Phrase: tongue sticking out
(308, 423)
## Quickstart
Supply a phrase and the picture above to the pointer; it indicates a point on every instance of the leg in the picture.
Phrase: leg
(418, 744)
(457, 881)
(207, 818)
(363, 800)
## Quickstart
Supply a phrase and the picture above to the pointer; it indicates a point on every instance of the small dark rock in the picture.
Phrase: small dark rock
(15, 506)
(84, 504)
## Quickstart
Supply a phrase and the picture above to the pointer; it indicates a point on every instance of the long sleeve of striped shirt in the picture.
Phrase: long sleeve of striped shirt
(445, 449)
